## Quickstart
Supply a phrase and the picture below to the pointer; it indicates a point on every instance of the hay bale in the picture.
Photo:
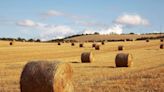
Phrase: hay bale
(59, 43)
(81, 45)
(161, 46)
(97, 47)
(120, 48)
(103, 43)
(72, 44)
(147, 40)
(161, 40)
(123, 60)
(87, 57)
(11, 43)
(43, 76)
(93, 45)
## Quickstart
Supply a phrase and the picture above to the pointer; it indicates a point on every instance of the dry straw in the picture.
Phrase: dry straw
(87, 57)
(97, 47)
(123, 60)
(43, 76)
(120, 48)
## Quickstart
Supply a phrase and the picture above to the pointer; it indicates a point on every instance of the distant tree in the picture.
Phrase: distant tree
(38, 40)
(96, 33)
(31, 40)
(131, 33)
(20, 39)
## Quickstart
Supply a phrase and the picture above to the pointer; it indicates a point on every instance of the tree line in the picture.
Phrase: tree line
(20, 39)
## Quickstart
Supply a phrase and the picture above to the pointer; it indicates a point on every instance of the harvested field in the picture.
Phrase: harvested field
(146, 74)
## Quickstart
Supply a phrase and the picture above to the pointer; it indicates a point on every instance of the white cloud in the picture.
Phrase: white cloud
(47, 31)
(52, 13)
(156, 31)
(51, 31)
(116, 29)
(132, 20)
(88, 31)
(26, 23)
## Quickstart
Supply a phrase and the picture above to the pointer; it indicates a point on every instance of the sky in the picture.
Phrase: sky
(51, 19)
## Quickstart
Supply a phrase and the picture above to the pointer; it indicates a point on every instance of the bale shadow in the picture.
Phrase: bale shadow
(122, 67)
(75, 62)
(99, 67)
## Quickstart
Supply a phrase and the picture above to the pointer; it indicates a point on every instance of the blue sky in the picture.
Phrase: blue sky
(49, 19)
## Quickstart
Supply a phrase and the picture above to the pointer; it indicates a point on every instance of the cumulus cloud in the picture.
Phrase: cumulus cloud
(115, 29)
(47, 31)
(131, 20)
(88, 31)
(26, 23)
(54, 13)
(51, 31)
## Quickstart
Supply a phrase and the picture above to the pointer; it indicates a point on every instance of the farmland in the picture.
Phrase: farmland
(146, 74)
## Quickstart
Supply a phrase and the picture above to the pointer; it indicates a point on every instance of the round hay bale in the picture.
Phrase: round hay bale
(93, 45)
(147, 40)
(97, 47)
(103, 43)
(81, 45)
(72, 44)
(11, 43)
(87, 57)
(43, 76)
(161, 40)
(59, 43)
(123, 60)
(161, 46)
(120, 48)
